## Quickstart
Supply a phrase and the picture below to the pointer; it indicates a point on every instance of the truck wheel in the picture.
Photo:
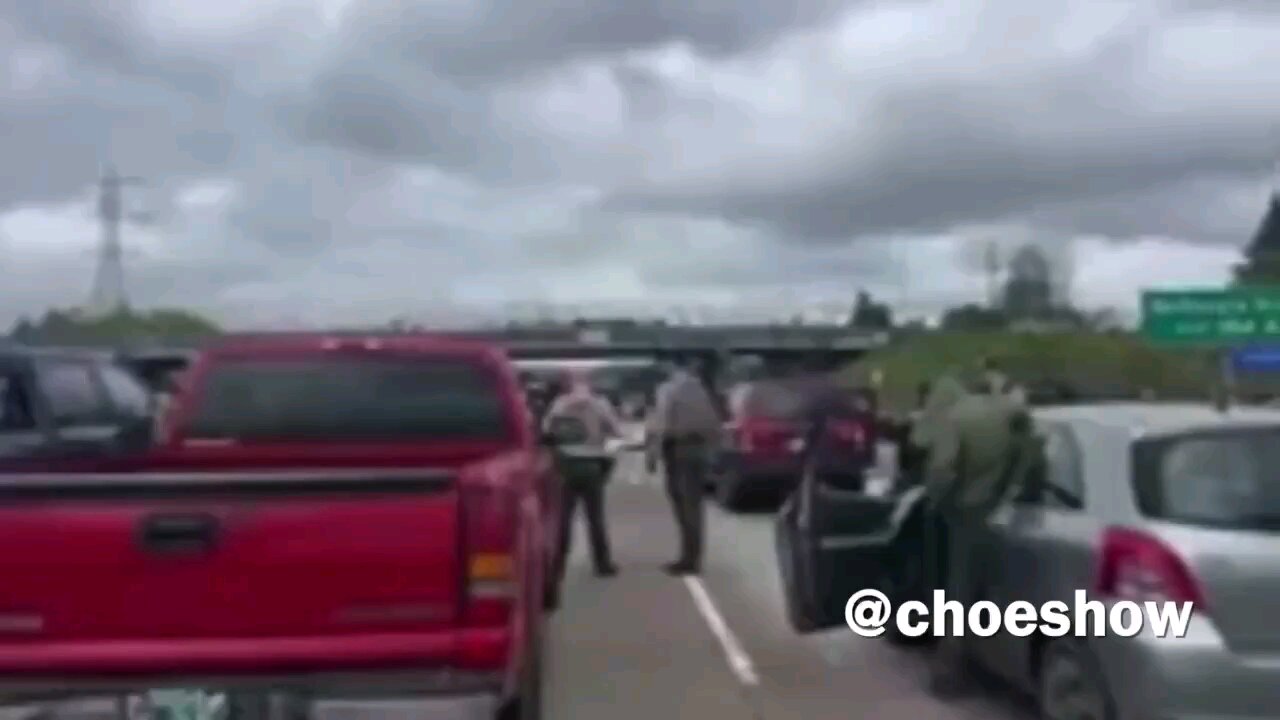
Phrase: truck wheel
(528, 704)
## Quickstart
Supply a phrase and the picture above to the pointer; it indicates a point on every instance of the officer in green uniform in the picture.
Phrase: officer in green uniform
(970, 439)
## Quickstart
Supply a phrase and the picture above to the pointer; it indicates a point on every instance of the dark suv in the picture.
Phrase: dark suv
(69, 403)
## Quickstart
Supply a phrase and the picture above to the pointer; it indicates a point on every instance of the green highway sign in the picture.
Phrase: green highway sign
(1212, 317)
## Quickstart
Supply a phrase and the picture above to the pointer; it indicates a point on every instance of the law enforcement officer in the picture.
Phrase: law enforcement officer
(685, 425)
(970, 439)
(581, 403)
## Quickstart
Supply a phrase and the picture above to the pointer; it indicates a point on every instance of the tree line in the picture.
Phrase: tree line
(125, 326)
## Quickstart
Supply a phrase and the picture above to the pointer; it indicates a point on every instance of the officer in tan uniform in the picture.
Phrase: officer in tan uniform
(685, 425)
(600, 421)
(970, 438)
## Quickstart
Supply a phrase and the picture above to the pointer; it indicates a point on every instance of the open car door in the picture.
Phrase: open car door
(831, 543)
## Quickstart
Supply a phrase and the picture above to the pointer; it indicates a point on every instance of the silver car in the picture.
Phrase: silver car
(1136, 501)
(1149, 502)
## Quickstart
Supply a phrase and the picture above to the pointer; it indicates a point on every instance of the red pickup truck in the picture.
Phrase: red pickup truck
(332, 517)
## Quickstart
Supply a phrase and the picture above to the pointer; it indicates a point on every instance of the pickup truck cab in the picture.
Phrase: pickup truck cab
(58, 403)
(330, 517)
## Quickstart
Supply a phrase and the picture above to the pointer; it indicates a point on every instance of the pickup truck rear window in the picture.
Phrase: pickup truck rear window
(788, 401)
(1223, 479)
(347, 398)
(764, 400)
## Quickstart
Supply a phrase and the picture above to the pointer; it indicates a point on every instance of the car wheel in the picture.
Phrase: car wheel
(1071, 685)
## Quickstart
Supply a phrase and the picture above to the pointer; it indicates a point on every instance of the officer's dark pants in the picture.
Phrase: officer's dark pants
(589, 492)
(958, 549)
(686, 464)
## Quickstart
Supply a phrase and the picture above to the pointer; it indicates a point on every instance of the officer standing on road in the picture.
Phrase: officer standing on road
(970, 438)
(686, 424)
(596, 414)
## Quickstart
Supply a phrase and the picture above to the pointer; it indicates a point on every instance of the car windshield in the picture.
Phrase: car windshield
(351, 399)
(1219, 480)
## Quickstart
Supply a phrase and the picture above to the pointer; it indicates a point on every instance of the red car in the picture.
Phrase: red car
(769, 436)
(332, 516)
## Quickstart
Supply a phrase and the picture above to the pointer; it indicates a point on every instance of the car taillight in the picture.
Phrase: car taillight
(1135, 566)
(764, 436)
(489, 522)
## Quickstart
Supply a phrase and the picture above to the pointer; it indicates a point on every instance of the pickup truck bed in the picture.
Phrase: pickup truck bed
(230, 572)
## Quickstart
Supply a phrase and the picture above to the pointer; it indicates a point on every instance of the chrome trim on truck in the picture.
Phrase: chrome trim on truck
(343, 686)
(120, 486)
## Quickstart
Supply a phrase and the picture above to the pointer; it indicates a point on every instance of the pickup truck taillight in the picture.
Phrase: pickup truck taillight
(489, 522)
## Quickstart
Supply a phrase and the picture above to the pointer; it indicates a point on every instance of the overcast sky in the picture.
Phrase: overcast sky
(339, 161)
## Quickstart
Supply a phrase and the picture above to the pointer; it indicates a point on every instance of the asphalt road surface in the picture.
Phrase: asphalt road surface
(645, 645)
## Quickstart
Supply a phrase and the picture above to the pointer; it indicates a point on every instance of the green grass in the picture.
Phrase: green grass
(1091, 363)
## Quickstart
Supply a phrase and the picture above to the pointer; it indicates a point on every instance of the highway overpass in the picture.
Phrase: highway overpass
(768, 341)
(825, 345)
(644, 340)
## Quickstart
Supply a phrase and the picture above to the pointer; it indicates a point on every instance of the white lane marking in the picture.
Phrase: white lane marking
(739, 661)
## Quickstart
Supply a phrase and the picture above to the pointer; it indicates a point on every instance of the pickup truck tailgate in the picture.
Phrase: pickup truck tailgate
(191, 556)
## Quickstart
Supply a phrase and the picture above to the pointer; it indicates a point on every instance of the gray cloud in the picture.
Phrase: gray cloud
(499, 38)
(663, 147)
(931, 153)
(110, 38)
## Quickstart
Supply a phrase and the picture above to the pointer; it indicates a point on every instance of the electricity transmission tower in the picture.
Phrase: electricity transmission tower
(108, 294)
